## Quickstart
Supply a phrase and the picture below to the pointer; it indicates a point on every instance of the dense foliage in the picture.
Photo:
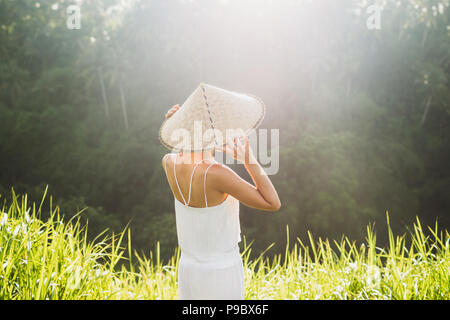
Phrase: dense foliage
(364, 115)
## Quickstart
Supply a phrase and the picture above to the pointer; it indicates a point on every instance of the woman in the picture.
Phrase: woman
(207, 196)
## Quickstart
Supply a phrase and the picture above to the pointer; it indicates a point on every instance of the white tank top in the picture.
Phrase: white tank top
(208, 235)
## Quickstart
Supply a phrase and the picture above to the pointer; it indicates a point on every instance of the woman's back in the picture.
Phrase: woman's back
(210, 264)
(204, 232)
(187, 180)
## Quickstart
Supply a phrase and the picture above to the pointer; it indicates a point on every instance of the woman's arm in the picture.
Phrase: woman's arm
(262, 196)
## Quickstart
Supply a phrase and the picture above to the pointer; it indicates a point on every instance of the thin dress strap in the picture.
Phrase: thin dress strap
(165, 164)
(176, 180)
(190, 182)
(204, 183)
(192, 175)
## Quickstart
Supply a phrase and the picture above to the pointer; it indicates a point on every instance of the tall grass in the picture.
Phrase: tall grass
(53, 259)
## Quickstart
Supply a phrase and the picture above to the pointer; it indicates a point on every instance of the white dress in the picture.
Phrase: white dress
(210, 265)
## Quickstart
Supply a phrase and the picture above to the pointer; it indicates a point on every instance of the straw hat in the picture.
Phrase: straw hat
(209, 117)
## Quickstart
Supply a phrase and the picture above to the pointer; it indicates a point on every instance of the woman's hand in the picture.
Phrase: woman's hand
(239, 151)
(172, 111)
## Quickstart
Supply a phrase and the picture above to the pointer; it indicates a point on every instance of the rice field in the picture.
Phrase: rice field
(53, 259)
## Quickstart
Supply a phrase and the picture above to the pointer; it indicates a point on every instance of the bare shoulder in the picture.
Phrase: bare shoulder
(220, 171)
(165, 158)
(226, 180)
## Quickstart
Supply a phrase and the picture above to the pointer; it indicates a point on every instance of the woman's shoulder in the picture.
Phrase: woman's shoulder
(219, 170)
(166, 158)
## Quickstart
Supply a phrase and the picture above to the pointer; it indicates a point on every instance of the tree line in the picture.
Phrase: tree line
(363, 114)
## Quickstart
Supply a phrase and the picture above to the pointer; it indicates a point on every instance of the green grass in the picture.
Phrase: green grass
(53, 259)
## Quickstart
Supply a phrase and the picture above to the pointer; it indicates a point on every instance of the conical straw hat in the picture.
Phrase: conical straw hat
(209, 117)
